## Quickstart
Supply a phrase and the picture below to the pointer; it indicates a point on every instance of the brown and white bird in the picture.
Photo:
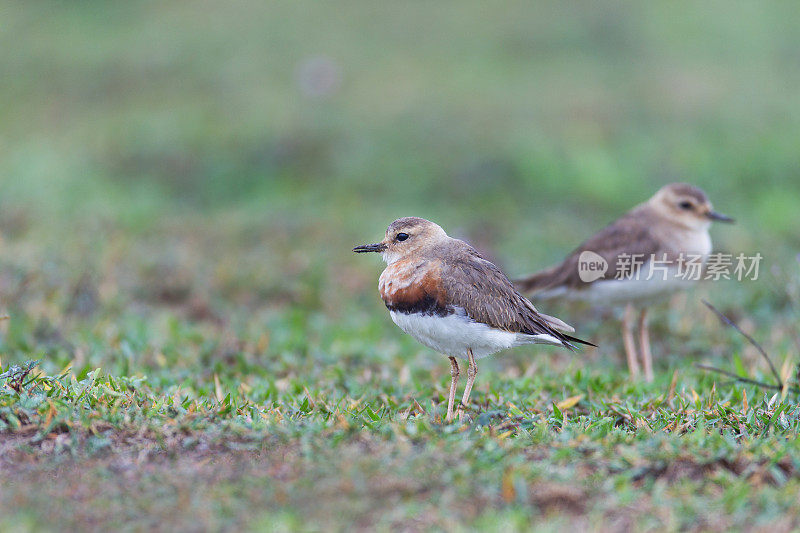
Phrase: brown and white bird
(443, 293)
(648, 253)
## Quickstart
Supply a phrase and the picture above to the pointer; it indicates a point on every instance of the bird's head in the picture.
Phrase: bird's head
(687, 206)
(406, 237)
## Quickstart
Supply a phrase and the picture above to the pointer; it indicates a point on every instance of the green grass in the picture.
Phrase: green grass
(367, 449)
(176, 220)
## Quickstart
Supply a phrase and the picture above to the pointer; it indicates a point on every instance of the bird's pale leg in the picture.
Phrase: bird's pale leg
(644, 346)
(627, 339)
(472, 371)
(453, 384)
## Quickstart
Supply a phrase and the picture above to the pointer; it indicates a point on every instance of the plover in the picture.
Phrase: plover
(443, 293)
(656, 248)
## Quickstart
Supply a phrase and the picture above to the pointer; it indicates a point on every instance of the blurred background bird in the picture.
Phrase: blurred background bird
(655, 249)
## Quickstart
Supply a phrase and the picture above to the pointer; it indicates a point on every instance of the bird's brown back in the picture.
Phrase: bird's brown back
(630, 234)
(471, 282)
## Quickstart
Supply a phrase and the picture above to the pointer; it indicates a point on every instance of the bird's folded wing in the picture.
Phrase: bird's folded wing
(487, 296)
(625, 245)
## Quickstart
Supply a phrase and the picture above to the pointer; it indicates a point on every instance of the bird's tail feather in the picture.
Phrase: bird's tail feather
(569, 339)
(556, 323)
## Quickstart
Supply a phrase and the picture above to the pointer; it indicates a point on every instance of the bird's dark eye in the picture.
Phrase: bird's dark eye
(685, 205)
(402, 236)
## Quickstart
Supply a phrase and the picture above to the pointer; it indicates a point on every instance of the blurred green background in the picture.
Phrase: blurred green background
(226, 158)
(181, 185)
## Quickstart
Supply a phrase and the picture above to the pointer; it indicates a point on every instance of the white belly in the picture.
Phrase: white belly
(454, 334)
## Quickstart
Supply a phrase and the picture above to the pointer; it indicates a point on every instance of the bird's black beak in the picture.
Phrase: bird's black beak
(377, 247)
(719, 217)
